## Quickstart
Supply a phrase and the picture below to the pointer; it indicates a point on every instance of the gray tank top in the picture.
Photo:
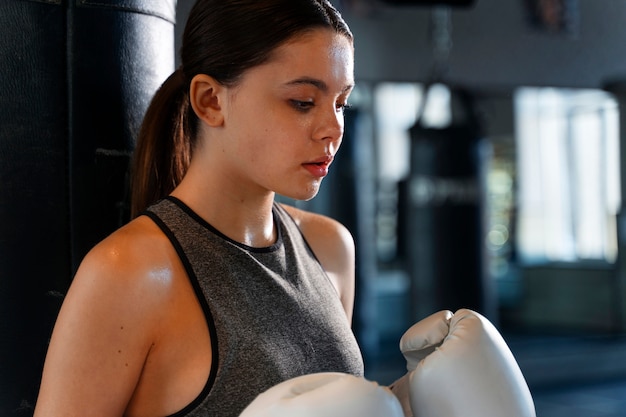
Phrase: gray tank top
(272, 312)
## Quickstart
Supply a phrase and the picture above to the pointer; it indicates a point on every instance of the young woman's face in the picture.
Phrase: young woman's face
(284, 121)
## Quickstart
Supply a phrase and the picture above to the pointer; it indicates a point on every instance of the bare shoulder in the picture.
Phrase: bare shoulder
(136, 258)
(131, 274)
(108, 324)
(324, 234)
(333, 245)
(132, 252)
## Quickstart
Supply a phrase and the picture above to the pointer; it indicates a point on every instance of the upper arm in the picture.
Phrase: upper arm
(333, 245)
(101, 339)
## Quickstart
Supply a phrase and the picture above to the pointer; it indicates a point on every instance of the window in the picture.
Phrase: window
(569, 181)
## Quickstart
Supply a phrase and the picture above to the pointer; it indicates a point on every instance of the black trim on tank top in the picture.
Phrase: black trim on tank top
(193, 279)
(189, 211)
(306, 242)
(308, 247)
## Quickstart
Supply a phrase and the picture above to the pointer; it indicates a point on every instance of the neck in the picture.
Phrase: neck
(242, 216)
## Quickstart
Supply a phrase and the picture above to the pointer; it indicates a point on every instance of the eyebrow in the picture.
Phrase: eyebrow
(319, 84)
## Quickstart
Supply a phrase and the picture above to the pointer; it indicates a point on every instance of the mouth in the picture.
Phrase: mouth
(319, 167)
(322, 162)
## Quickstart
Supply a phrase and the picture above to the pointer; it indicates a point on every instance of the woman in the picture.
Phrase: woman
(214, 292)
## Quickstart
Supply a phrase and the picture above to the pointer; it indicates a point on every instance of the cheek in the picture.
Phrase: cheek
(280, 132)
(270, 137)
(259, 147)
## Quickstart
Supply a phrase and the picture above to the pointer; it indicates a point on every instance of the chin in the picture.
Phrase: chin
(304, 195)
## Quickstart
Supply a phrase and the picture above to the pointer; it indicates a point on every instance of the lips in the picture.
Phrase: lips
(319, 167)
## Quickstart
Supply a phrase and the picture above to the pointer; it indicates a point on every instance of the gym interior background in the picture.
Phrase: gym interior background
(481, 168)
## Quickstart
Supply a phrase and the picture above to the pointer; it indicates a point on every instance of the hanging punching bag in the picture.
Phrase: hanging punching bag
(443, 206)
(75, 79)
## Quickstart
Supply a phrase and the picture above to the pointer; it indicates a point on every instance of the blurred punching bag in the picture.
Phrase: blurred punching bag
(442, 205)
(76, 77)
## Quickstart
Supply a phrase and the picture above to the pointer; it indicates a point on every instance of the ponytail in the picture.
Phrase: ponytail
(164, 146)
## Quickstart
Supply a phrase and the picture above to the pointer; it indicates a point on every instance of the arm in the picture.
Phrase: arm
(102, 336)
(333, 245)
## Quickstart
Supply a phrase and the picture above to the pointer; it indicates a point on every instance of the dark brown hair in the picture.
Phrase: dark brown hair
(223, 39)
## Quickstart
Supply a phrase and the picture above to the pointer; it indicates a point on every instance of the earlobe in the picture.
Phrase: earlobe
(204, 95)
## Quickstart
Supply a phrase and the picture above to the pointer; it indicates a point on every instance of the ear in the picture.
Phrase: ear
(205, 95)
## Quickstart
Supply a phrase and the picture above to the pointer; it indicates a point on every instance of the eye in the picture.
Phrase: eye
(302, 105)
(343, 107)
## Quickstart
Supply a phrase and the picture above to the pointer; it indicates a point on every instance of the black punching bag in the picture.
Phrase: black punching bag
(76, 77)
(443, 210)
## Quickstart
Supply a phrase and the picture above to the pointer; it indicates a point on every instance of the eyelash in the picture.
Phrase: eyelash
(345, 106)
(304, 106)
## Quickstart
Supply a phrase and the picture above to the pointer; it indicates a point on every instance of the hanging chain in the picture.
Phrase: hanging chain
(441, 40)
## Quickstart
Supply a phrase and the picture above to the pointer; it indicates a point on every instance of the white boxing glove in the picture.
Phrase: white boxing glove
(459, 365)
(327, 394)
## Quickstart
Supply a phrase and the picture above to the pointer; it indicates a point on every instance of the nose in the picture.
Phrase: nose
(331, 126)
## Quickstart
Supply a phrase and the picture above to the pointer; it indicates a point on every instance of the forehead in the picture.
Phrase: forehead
(320, 53)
